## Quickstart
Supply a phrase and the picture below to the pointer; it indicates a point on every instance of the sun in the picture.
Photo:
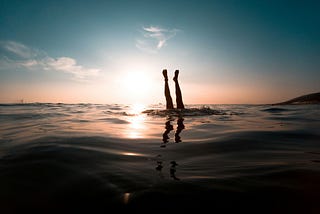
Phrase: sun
(136, 85)
(136, 80)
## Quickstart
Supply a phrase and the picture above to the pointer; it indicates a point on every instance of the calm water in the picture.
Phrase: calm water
(96, 158)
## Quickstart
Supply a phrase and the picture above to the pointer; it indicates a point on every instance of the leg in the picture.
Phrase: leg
(169, 102)
(179, 101)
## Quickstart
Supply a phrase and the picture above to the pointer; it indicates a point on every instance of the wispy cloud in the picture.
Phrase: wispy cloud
(154, 38)
(20, 50)
(19, 55)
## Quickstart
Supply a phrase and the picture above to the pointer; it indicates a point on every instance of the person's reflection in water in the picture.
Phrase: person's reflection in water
(180, 127)
(165, 136)
(173, 170)
(159, 166)
(169, 128)
(165, 140)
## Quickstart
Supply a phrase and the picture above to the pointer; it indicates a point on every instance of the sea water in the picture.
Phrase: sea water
(90, 158)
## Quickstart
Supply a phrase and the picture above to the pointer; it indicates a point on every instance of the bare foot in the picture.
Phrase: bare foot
(176, 73)
(165, 75)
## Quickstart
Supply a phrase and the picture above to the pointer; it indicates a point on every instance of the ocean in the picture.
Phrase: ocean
(90, 158)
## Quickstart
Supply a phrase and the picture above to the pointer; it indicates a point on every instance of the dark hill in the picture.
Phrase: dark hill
(305, 99)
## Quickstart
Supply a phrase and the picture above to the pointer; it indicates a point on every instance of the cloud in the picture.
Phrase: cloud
(69, 65)
(19, 55)
(20, 50)
(154, 38)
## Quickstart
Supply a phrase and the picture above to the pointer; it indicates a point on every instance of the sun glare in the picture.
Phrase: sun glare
(137, 108)
(136, 80)
(136, 83)
(135, 86)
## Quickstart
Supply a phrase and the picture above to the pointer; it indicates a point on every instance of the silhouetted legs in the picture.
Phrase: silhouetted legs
(179, 101)
(167, 90)
(169, 103)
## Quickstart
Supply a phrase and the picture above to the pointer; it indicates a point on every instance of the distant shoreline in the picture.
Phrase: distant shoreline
(307, 99)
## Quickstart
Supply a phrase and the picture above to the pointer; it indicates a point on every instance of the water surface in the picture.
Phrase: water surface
(97, 158)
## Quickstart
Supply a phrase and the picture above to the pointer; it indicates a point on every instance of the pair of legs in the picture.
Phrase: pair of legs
(179, 101)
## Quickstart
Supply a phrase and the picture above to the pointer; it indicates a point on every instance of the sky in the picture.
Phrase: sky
(228, 52)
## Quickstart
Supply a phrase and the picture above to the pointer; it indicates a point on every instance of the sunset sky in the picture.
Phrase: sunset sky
(114, 51)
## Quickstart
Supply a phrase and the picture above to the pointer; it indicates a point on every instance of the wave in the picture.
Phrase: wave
(114, 120)
(275, 110)
(32, 104)
(203, 111)
(26, 116)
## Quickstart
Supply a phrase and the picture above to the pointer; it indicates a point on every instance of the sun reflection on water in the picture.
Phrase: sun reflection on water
(126, 197)
(131, 154)
(136, 127)
(125, 122)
